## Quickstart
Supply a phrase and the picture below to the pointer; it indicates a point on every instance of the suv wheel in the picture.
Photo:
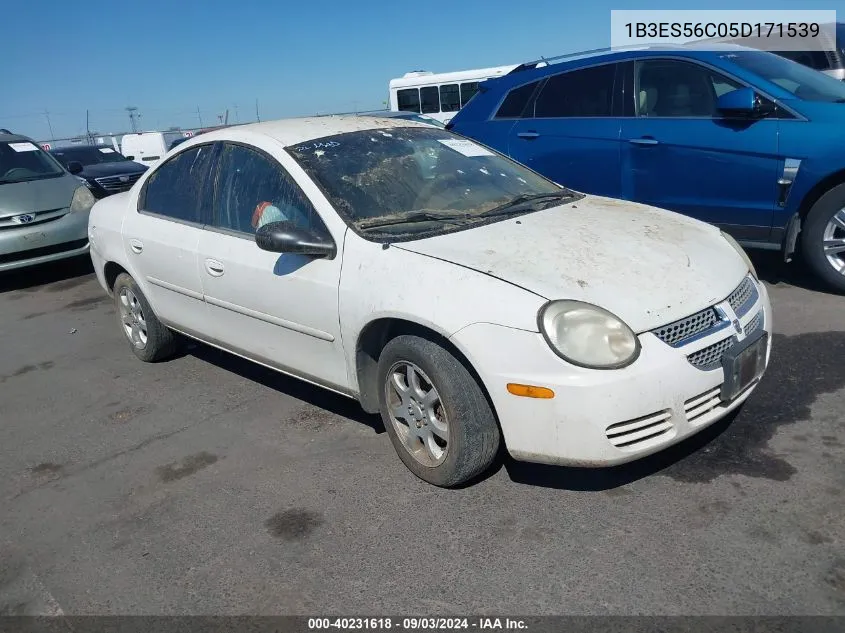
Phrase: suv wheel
(823, 238)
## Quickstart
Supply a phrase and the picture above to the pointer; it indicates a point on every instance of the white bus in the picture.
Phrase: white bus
(439, 95)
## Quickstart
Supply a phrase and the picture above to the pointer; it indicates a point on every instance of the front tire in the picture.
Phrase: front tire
(823, 238)
(149, 339)
(434, 411)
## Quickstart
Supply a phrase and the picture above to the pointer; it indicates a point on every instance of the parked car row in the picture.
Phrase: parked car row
(43, 208)
(469, 300)
(743, 139)
(102, 168)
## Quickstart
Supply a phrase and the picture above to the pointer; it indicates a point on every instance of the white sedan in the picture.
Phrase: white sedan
(463, 297)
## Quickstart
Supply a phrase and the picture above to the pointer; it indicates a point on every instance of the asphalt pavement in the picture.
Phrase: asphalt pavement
(208, 485)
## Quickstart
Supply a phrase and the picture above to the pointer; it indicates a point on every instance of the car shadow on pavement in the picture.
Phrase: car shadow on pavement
(311, 394)
(31, 278)
(774, 271)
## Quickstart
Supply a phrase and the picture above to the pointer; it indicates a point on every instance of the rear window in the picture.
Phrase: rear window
(22, 161)
(515, 103)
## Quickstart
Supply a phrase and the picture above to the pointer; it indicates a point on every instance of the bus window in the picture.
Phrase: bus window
(468, 91)
(429, 99)
(450, 100)
(408, 100)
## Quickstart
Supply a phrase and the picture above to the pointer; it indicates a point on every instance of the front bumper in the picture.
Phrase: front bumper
(600, 418)
(55, 239)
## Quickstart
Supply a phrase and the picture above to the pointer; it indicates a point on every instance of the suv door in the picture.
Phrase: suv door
(278, 309)
(161, 238)
(570, 132)
(682, 154)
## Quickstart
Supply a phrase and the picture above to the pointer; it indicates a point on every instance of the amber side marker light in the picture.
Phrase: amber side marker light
(530, 391)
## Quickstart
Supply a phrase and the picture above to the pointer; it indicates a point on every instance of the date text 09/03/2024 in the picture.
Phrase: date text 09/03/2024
(416, 624)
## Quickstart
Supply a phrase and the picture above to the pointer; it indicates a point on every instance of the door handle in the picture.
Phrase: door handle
(646, 140)
(214, 268)
(136, 246)
(528, 135)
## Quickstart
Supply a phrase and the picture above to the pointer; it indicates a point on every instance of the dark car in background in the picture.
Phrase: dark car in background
(104, 169)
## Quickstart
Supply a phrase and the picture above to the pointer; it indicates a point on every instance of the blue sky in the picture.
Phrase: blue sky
(169, 57)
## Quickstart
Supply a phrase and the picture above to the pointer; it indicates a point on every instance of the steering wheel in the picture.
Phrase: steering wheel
(17, 171)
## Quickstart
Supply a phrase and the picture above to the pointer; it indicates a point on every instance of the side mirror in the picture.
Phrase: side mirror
(130, 158)
(285, 237)
(75, 167)
(743, 103)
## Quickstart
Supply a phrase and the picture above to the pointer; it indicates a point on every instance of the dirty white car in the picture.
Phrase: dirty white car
(466, 299)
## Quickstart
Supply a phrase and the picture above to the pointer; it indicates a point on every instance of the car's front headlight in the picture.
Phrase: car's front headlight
(587, 335)
(83, 200)
(741, 252)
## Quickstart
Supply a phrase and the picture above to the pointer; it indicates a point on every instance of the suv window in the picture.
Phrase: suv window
(578, 93)
(176, 188)
(671, 88)
(514, 104)
(253, 189)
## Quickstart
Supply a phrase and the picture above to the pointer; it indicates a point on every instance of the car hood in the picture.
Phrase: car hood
(99, 170)
(647, 266)
(35, 196)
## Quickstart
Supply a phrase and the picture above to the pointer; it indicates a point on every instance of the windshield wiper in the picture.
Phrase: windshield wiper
(410, 218)
(526, 201)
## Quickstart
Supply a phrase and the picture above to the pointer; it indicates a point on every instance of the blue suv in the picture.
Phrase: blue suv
(737, 137)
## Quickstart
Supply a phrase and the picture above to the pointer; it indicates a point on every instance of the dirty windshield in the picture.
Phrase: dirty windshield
(419, 180)
(22, 160)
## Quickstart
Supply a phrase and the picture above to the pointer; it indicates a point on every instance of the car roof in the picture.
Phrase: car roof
(300, 130)
(624, 52)
(14, 138)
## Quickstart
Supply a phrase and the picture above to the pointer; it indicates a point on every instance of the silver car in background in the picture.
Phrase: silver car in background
(43, 208)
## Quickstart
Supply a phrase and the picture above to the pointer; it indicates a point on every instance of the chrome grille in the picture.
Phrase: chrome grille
(688, 327)
(115, 184)
(711, 356)
(743, 297)
(710, 320)
(756, 323)
(39, 218)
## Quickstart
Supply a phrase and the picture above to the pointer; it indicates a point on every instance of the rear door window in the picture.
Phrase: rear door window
(177, 189)
(578, 93)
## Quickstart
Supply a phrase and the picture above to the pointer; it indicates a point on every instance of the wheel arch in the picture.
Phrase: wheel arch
(372, 340)
(111, 271)
(818, 190)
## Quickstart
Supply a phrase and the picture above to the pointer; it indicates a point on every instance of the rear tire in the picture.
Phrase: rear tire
(149, 339)
(825, 224)
(435, 413)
